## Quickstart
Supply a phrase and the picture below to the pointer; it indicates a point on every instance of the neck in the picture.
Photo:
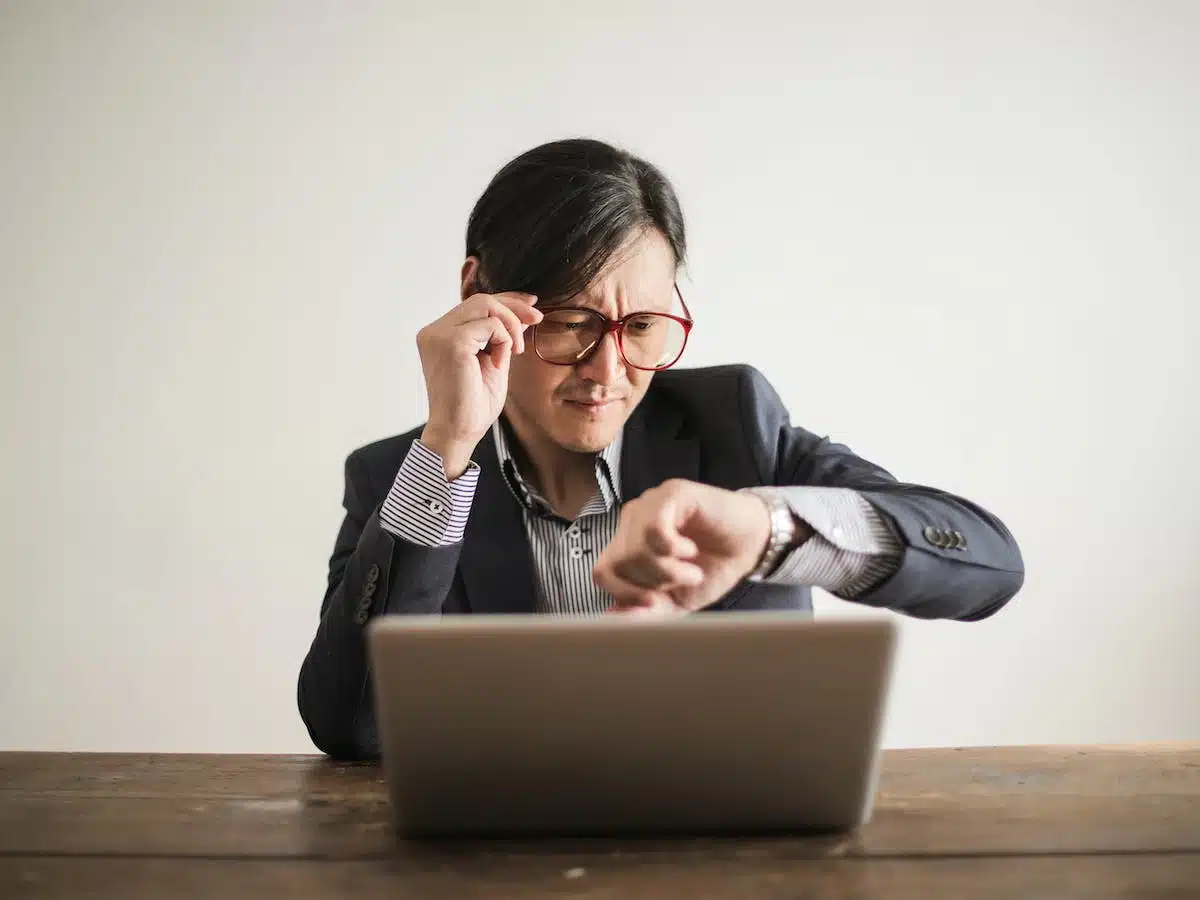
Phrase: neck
(565, 478)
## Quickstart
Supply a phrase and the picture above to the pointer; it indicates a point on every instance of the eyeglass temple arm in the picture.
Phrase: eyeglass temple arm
(687, 313)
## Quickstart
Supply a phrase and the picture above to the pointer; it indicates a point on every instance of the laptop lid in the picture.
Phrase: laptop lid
(730, 722)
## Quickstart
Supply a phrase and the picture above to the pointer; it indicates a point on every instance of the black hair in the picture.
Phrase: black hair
(551, 219)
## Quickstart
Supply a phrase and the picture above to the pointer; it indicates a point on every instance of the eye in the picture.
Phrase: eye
(567, 319)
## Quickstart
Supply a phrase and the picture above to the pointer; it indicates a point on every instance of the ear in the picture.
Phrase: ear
(469, 279)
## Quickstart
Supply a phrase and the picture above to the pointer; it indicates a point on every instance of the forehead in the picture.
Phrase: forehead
(640, 276)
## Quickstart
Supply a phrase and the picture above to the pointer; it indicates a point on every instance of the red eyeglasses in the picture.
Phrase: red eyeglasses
(651, 341)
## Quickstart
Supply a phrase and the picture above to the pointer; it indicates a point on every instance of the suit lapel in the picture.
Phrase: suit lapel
(495, 563)
(657, 448)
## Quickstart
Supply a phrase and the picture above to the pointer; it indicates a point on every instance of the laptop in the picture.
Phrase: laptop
(726, 723)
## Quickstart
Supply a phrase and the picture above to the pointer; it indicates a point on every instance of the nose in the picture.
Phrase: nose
(605, 366)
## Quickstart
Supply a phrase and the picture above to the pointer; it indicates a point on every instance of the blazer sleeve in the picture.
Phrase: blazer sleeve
(371, 572)
(958, 561)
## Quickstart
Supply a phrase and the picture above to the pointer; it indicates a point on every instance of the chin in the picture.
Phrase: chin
(592, 442)
(590, 438)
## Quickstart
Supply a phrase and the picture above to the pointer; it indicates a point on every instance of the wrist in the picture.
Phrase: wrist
(455, 453)
(780, 533)
(758, 538)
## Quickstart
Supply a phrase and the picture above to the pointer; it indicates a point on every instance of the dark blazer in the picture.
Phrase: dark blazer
(724, 426)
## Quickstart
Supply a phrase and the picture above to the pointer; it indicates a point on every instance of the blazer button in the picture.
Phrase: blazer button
(933, 535)
(373, 573)
(360, 617)
(960, 541)
(369, 590)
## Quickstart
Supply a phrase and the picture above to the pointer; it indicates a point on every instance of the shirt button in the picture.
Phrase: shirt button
(573, 531)
(575, 553)
(435, 507)
(836, 532)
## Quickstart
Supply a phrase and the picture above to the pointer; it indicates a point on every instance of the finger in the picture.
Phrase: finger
(517, 314)
(516, 328)
(671, 543)
(663, 537)
(522, 305)
(681, 572)
(478, 305)
(508, 321)
(516, 296)
(640, 601)
(659, 572)
(646, 571)
(478, 336)
(498, 355)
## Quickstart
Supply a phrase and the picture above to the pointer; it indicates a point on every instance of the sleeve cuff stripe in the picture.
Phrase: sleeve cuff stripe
(419, 513)
(421, 481)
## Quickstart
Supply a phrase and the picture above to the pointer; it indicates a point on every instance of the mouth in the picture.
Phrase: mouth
(591, 405)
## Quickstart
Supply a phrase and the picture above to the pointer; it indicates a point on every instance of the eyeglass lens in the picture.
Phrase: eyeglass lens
(648, 340)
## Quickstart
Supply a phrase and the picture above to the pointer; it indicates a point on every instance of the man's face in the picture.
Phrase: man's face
(582, 407)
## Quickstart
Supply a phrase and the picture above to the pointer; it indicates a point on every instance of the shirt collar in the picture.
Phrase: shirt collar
(608, 471)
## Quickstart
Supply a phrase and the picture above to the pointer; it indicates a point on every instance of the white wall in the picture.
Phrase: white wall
(962, 237)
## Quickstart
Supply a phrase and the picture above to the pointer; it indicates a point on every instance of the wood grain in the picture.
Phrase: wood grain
(1094, 877)
(349, 829)
(986, 801)
(992, 771)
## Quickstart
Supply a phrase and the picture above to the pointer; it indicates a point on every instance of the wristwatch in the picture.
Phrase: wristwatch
(783, 534)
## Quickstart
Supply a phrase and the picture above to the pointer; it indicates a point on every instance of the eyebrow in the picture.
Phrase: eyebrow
(578, 300)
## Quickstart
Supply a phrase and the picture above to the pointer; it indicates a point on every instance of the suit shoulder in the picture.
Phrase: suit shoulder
(708, 385)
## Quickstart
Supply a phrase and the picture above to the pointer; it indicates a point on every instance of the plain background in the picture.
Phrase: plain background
(963, 238)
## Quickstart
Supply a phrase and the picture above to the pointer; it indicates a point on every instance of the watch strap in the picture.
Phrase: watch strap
(782, 537)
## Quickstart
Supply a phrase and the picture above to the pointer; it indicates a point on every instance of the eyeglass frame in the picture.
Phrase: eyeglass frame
(616, 325)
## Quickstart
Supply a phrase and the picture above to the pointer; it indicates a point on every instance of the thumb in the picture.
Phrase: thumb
(664, 537)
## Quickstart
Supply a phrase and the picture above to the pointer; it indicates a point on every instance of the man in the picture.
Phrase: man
(566, 468)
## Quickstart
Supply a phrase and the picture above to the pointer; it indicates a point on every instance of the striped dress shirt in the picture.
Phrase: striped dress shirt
(852, 548)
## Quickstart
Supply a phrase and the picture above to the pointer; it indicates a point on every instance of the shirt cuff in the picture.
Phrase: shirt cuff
(425, 508)
(852, 550)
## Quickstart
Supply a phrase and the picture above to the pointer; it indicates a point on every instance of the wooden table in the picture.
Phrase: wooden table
(1012, 822)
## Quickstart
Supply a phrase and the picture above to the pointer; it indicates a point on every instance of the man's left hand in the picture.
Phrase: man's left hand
(681, 546)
